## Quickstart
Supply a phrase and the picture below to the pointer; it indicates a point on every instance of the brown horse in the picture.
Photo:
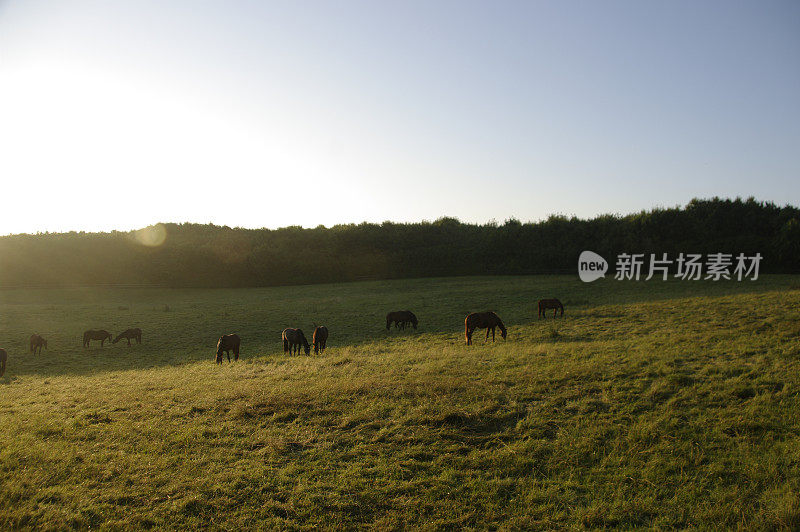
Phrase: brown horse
(545, 304)
(37, 342)
(293, 339)
(91, 334)
(228, 343)
(130, 334)
(483, 320)
(400, 318)
(3, 358)
(319, 338)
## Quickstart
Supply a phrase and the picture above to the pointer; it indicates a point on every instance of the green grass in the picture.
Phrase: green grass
(666, 405)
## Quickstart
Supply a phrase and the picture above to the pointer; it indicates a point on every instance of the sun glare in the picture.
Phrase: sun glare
(151, 236)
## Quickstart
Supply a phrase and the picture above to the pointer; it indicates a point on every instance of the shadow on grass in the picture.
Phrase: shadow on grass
(354, 313)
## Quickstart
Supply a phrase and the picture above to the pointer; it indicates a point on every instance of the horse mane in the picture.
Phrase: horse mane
(303, 338)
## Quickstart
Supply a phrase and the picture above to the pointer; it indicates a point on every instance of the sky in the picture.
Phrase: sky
(117, 115)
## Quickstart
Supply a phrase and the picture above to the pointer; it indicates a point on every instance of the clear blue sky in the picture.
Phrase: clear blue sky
(115, 115)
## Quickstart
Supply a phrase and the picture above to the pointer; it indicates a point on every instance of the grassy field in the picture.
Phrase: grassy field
(659, 404)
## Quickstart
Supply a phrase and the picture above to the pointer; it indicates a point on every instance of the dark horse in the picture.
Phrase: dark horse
(319, 338)
(545, 304)
(400, 318)
(130, 334)
(37, 342)
(96, 335)
(483, 320)
(3, 358)
(293, 339)
(228, 343)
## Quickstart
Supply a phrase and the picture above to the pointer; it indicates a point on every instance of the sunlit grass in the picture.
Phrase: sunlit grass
(646, 406)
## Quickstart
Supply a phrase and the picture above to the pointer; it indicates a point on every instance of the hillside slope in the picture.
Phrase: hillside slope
(645, 406)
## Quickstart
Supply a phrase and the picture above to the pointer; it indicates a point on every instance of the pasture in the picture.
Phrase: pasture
(657, 404)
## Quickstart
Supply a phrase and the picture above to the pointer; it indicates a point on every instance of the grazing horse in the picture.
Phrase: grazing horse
(554, 304)
(400, 318)
(130, 334)
(37, 342)
(3, 358)
(96, 335)
(483, 320)
(293, 339)
(228, 343)
(319, 338)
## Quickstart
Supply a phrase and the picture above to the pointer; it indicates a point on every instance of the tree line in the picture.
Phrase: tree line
(197, 255)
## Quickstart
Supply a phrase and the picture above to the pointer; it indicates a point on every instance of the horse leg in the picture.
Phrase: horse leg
(492, 334)
(129, 342)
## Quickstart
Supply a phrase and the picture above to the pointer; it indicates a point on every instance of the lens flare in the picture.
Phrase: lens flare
(151, 236)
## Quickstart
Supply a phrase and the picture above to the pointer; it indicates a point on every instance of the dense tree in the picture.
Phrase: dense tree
(213, 256)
